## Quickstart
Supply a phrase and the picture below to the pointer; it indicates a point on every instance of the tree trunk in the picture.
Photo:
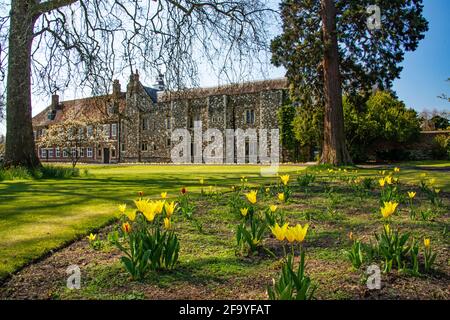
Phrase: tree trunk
(334, 149)
(20, 146)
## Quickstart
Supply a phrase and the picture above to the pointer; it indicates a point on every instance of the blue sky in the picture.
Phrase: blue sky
(422, 79)
(426, 69)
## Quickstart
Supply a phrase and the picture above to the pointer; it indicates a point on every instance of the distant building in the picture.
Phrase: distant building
(139, 122)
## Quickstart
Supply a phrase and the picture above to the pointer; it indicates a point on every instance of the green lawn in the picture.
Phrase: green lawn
(40, 215)
(37, 216)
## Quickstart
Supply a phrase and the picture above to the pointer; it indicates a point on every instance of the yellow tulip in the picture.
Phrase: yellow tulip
(388, 179)
(167, 223)
(396, 169)
(285, 179)
(411, 195)
(387, 228)
(300, 232)
(91, 237)
(202, 181)
(290, 235)
(273, 208)
(159, 206)
(350, 235)
(131, 215)
(437, 191)
(427, 242)
(279, 232)
(150, 212)
(382, 182)
(389, 209)
(163, 195)
(281, 196)
(141, 204)
(432, 182)
(251, 197)
(244, 211)
(122, 208)
(267, 190)
(170, 208)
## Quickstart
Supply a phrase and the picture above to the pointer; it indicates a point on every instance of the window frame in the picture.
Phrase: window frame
(114, 130)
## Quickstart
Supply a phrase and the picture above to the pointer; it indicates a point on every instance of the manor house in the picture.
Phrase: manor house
(138, 122)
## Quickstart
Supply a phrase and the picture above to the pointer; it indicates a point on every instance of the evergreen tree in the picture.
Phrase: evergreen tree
(328, 47)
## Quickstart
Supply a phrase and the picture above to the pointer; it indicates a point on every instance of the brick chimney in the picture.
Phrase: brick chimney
(116, 88)
(55, 101)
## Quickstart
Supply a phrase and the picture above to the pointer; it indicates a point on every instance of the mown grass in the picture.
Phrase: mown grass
(38, 216)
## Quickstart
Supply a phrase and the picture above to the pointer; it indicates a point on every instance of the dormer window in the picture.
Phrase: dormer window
(51, 115)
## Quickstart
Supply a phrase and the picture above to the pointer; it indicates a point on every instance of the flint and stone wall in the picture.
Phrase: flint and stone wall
(151, 142)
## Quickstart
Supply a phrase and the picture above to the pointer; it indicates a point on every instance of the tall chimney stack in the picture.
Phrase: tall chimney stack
(55, 101)
(116, 88)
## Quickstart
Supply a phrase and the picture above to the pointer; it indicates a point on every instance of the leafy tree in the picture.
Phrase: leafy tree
(285, 115)
(382, 118)
(88, 42)
(327, 47)
(308, 127)
(440, 123)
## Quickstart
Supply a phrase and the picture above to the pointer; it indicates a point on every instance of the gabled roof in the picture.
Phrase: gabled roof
(94, 108)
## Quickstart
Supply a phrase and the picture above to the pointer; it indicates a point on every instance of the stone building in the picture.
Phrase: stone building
(139, 122)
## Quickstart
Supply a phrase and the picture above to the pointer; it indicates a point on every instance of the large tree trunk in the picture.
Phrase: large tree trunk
(334, 147)
(20, 146)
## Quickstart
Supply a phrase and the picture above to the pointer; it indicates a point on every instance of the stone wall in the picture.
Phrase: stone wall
(214, 110)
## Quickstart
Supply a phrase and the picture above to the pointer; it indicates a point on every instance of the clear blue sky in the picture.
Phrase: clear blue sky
(426, 69)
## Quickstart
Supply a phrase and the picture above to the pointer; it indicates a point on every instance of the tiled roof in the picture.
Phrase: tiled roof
(231, 89)
(94, 108)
